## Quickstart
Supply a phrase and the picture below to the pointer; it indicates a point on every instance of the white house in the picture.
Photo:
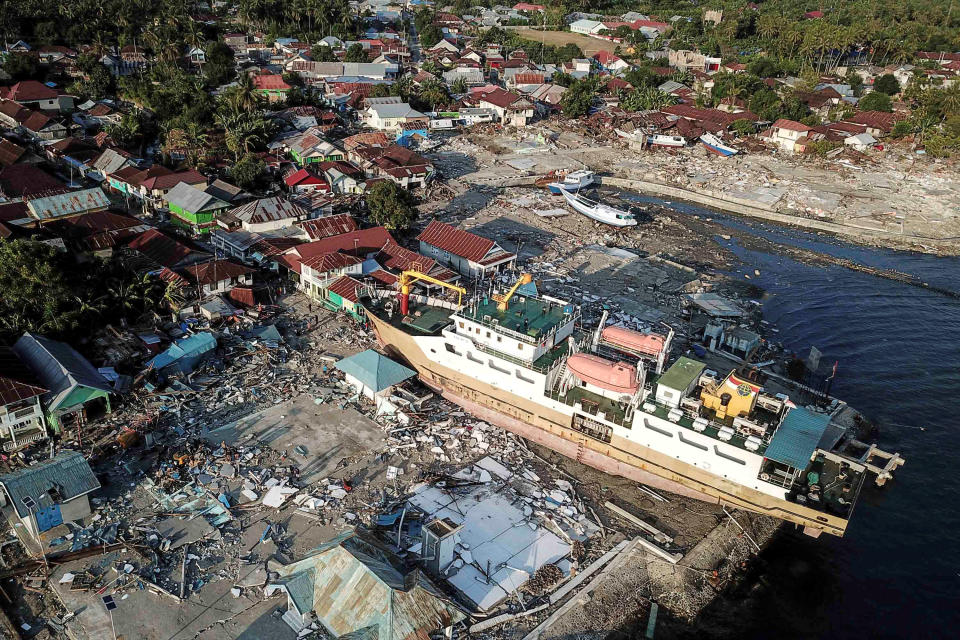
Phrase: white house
(786, 133)
(586, 27)
(391, 116)
(267, 214)
(860, 142)
(319, 272)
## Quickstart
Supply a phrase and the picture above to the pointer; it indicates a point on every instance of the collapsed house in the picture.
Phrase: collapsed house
(352, 588)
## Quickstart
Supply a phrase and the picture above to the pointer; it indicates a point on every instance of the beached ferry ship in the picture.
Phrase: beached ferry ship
(607, 398)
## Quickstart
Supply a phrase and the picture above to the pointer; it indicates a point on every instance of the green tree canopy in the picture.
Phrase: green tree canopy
(356, 53)
(322, 53)
(577, 98)
(22, 66)
(249, 172)
(887, 84)
(875, 101)
(391, 206)
(431, 35)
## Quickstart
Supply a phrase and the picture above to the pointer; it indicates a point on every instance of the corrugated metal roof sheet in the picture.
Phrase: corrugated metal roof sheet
(68, 474)
(329, 226)
(269, 210)
(68, 204)
(356, 590)
(797, 437)
(191, 199)
(17, 382)
(374, 370)
(345, 287)
(456, 241)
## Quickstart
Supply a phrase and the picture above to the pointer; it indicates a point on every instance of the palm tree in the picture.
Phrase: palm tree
(244, 96)
(951, 99)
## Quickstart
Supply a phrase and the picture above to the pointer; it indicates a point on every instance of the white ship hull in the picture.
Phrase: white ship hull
(599, 211)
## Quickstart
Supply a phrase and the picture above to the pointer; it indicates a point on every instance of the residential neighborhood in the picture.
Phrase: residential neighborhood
(378, 319)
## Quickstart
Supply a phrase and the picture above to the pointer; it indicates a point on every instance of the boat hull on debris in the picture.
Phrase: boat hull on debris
(599, 211)
(553, 426)
(713, 143)
(573, 181)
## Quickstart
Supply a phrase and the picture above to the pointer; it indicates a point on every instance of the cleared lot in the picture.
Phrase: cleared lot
(559, 38)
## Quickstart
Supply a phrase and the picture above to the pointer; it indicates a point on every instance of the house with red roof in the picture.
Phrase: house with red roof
(23, 419)
(305, 181)
(466, 253)
(610, 62)
(160, 250)
(509, 107)
(218, 276)
(877, 123)
(328, 226)
(36, 95)
(526, 6)
(271, 86)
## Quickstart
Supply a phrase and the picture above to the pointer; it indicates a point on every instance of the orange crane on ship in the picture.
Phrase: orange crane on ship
(503, 300)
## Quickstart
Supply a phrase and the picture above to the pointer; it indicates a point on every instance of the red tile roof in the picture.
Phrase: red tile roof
(876, 119)
(456, 241)
(385, 277)
(329, 226)
(22, 180)
(528, 78)
(790, 125)
(303, 177)
(346, 288)
(270, 83)
(28, 91)
(17, 381)
(399, 258)
(500, 98)
(160, 248)
(360, 242)
(9, 152)
(330, 262)
(170, 180)
(167, 275)
(215, 271)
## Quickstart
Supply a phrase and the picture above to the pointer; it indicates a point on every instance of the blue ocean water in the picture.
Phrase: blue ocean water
(896, 573)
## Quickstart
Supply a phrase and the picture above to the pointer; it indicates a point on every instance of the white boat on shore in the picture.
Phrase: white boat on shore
(661, 140)
(714, 144)
(599, 211)
(573, 181)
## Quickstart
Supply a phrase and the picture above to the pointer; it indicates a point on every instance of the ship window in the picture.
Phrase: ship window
(702, 447)
(499, 339)
(520, 346)
(726, 456)
(461, 325)
(450, 348)
(488, 334)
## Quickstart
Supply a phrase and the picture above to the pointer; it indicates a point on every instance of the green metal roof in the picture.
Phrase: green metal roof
(797, 437)
(681, 373)
(374, 370)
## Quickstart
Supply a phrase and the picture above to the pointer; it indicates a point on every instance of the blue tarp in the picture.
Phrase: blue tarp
(184, 355)
(797, 437)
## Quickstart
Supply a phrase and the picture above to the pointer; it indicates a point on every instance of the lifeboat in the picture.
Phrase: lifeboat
(619, 377)
(647, 343)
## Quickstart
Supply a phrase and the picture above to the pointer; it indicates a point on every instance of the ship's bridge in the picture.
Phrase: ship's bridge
(527, 329)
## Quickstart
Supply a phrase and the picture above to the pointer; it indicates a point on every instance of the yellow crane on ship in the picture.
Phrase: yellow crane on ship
(408, 277)
(503, 299)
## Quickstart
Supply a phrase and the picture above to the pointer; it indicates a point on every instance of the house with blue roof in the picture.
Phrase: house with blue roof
(48, 494)
(183, 356)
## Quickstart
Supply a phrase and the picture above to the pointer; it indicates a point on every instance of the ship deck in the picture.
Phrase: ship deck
(423, 319)
(592, 403)
(529, 316)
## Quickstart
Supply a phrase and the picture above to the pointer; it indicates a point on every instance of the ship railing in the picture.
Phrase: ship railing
(518, 361)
